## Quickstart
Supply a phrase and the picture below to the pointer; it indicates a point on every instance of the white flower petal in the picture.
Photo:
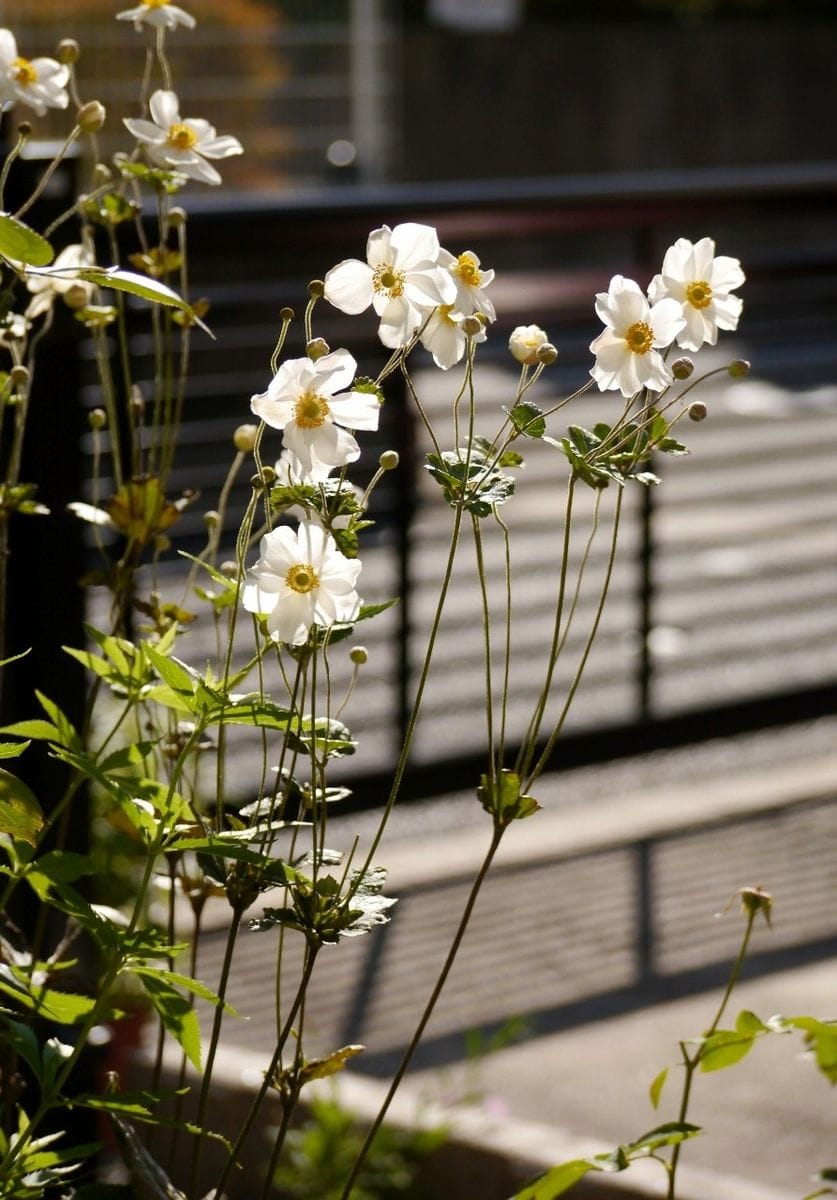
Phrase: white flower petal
(348, 286)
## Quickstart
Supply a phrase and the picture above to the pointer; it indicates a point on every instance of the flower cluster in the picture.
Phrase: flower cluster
(687, 303)
(417, 288)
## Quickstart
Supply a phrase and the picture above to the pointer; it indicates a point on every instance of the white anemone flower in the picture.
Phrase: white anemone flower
(178, 143)
(301, 579)
(471, 280)
(290, 472)
(401, 279)
(58, 279)
(524, 343)
(627, 350)
(39, 82)
(445, 338)
(702, 283)
(159, 13)
(301, 401)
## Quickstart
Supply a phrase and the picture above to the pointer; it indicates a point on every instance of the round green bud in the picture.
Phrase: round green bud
(316, 289)
(178, 216)
(286, 314)
(546, 353)
(244, 438)
(359, 655)
(229, 569)
(76, 296)
(682, 368)
(97, 419)
(19, 375)
(69, 51)
(389, 460)
(91, 117)
(212, 519)
(697, 411)
(471, 326)
(317, 348)
(162, 543)
(738, 368)
(24, 129)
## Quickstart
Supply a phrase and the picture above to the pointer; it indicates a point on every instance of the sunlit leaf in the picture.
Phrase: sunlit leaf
(21, 244)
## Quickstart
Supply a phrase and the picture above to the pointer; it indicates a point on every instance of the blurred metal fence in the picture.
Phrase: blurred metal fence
(723, 613)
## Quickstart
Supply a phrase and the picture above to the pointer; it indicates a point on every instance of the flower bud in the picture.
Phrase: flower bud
(162, 543)
(244, 438)
(755, 900)
(389, 460)
(68, 51)
(178, 216)
(263, 480)
(212, 519)
(697, 411)
(316, 289)
(91, 117)
(524, 343)
(286, 314)
(229, 568)
(359, 655)
(136, 404)
(547, 353)
(97, 419)
(471, 326)
(682, 368)
(24, 129)
(19, 375)
(738, 368)
(102, 174)
(76, 296)
(317, 348)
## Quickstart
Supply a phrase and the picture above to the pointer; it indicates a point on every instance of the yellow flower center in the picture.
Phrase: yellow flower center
(389, 281)
(468, 271)
(302, 578)
(180, 135)
(155, 3)
(639, 337)
(24, 72)
(310, 411)
(699, 293)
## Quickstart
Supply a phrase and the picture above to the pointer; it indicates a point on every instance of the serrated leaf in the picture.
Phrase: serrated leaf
(20, 812)
(321, 1068)
(527, 419)
(13, 749)
(23, 245)
(24, 1042)
(137, 285)
(176, 1013)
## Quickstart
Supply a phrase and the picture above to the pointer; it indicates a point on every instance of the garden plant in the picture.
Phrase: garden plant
(152, 750)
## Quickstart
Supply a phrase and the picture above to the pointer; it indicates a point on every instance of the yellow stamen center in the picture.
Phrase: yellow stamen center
(24, 72)
(180, 136)
(468, 271)
(310, 411)
(389, 281)
(699, 293)
(302, 578)
(155, 3)
(640, 337)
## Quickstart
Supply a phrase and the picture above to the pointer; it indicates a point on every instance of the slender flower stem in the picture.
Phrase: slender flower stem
(464, 921)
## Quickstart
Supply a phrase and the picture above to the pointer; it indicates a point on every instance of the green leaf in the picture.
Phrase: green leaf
(176, 1013)
(656, 1088)
(186, 981)
(502, 798)
(22, 244)
(37, 729)
(670, 1134)
(748, 1023)
(556, 1180)
(142, 286)
(527, 419)
(724, 1049)
(13, 749)
(20, 813)
(24, 1042)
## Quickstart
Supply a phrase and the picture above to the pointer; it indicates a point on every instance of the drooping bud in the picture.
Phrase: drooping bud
(178, 216)
(212, 519)
(524, 343)
(317, 348)
(359, 655)
(755, 900)
(91, 117)
(547, 353)
(96, 419)
(286, 314)
(471, 326)
(389, 460)
(738, 368)
(68, 51)
(697, 411)
(682, 368)
(19, 375)
(244, 438)
(316, 289)
(24, 129)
